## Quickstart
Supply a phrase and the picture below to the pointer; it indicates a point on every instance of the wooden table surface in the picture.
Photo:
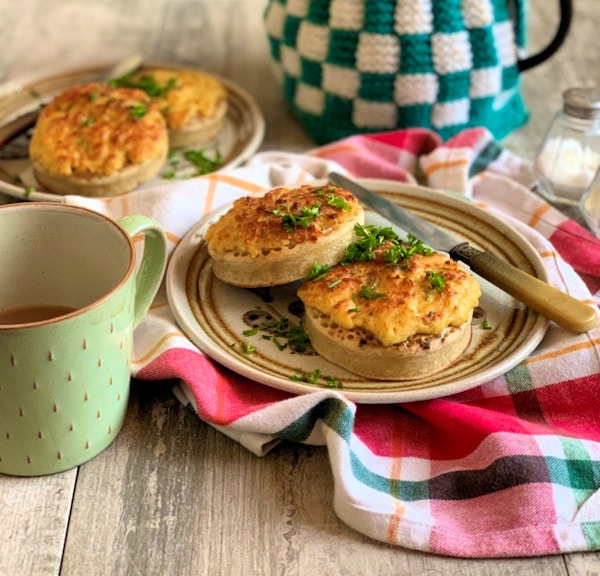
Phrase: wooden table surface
(173, 496)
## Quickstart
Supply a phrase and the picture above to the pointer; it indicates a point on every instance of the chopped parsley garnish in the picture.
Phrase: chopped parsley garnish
(304, 217)
(371, 237)
(332, 198)
(337, 202)
(293, 335)
(317, 271)
(356, 308)
(370, 292)
(404, 250)
(297, 338)
(201, 161)
(139, 109)
(436, 280)
(333, 382)
(315, 376)
(396, 253)
(248, 348)
(321, 193)
(310, 377)
(301, 219)
(192, 162)
(365, 248)
(146, 83)
(88, 121)
(485, 325)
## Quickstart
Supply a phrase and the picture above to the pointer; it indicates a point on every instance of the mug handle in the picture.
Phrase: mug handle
(153, 263)
(566, 16)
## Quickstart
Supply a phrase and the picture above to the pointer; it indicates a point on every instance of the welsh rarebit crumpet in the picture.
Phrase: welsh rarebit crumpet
(96, 140)
(193, 103)
(276, 238)
(390, 310)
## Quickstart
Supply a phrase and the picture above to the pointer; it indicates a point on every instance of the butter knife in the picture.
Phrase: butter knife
(566, 311)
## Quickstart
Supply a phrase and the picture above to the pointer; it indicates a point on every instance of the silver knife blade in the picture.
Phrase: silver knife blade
(421, 229)
(566, 311)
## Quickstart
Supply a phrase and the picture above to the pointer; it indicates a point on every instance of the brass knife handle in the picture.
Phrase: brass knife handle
(566, 311)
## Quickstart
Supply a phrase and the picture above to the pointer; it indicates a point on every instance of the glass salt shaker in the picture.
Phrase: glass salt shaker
(590, 205)
(569, 156)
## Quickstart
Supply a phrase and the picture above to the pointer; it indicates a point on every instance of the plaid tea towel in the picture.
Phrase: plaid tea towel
(509, 468)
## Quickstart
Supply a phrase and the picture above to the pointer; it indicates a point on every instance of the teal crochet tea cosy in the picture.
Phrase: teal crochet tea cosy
(357, 66)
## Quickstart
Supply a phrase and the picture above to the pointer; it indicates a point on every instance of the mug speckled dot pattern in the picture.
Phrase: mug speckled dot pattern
(64, 382)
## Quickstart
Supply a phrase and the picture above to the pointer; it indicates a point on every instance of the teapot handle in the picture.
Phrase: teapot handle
(566, 15)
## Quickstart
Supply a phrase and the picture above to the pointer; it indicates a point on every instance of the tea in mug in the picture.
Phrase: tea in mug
(30, 314)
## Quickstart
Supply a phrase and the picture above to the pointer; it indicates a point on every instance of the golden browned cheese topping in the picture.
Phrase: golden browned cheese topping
(96, 130)
(422, 294)
(185, 95)
(282, 218)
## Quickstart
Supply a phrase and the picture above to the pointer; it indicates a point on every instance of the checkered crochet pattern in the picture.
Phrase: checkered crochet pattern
(360, 66)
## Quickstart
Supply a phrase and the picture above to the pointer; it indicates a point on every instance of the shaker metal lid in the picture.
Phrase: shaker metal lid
(582, 102)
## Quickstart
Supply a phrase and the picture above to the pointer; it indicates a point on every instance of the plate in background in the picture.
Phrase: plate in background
(242, 134)
(215, 315)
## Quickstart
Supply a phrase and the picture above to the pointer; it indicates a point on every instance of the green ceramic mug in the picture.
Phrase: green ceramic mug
(72, 290)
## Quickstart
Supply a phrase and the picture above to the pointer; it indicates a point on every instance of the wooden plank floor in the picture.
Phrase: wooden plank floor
(172, 496)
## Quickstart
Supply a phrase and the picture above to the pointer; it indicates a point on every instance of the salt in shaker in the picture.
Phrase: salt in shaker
(570, 153)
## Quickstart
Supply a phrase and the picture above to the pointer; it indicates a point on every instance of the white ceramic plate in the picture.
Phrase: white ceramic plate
(242, 133)
(215, 315)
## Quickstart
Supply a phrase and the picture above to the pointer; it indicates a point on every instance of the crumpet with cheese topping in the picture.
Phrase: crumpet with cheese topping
(98, 140)
(391, 310)
(276, 238)
(193, 103)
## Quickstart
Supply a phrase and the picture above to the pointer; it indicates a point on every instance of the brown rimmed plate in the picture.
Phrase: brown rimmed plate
(242, 134)
(214, 315)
